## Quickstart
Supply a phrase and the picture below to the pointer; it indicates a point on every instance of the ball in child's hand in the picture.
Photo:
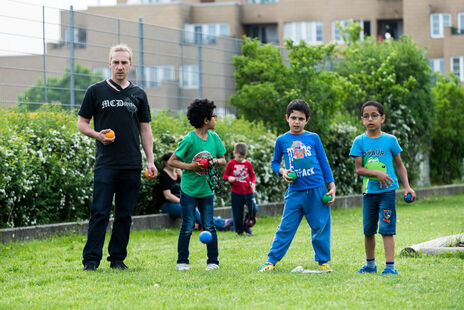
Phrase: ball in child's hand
(204, 162)
(291, 175)
(206, 237)
(326, 198)
(408, 198)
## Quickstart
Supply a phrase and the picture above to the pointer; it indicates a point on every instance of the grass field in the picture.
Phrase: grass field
(48, 274)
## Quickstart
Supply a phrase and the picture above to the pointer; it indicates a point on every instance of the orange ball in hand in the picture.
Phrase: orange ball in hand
(110, 134)
(148, 174)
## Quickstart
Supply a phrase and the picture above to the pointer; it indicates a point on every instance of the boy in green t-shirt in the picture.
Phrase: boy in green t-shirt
(195, 190)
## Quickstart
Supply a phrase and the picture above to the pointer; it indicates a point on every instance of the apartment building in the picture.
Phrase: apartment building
(189, 52)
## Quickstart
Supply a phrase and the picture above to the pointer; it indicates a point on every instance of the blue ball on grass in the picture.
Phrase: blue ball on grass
(206, 237)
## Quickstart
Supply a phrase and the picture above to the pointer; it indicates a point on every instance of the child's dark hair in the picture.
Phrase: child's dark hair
(376, 104)
(198, 110)
(240, 148)
(165, 157)
(298, 105)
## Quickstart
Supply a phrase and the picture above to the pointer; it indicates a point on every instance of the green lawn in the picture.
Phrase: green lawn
(48, 274)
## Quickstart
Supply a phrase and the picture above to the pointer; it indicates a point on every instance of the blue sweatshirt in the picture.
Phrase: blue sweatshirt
(305, 155)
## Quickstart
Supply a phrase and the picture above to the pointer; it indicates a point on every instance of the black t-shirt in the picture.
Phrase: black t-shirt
(166, 182)
(122, 111)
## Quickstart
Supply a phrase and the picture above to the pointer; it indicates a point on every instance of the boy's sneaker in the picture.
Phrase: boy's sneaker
(182, 267)
(228, 224)
(367, 269)
(248, 231)
(212, 267)
(267, 266)
(324, 268)
(389, 271)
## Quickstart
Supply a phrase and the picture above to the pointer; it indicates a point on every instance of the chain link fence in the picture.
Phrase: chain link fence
(173, 66)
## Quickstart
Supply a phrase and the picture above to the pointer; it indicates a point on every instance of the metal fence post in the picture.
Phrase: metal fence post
(71, 51)
(200, 84)
(181, 71)
(142, 67)
(44, 55)
(119, 31)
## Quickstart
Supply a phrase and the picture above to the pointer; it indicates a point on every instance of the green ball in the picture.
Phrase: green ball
(326, 198)
(292, 175)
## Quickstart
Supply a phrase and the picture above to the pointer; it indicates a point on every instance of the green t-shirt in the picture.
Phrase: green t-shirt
(192, 148)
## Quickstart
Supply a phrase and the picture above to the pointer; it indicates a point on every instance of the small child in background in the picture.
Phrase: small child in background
(241, 176)
(374, 153)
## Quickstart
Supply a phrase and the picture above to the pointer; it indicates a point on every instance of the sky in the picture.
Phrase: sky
(21, 30)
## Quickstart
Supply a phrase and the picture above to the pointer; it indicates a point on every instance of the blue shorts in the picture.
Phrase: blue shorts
(379, 208)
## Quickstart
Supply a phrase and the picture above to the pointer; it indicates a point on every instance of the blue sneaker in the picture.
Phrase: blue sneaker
(389, 271)
(367, 269)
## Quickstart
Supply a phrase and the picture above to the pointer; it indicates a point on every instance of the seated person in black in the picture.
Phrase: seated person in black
(169, 197)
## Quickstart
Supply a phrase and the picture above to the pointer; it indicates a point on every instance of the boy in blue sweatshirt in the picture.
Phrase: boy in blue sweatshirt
(305, 156)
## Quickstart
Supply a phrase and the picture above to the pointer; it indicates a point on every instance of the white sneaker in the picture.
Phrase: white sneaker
(182, 267)
(212, 266)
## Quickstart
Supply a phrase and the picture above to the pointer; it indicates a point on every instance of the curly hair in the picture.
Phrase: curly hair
(198, 110)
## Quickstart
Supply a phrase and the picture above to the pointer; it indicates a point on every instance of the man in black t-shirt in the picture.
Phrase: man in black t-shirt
(121, 121)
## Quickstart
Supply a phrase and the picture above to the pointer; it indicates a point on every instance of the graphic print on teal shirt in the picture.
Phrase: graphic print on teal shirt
(372, 163)
(377, 154)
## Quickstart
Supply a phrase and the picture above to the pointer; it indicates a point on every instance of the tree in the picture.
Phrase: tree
(265, 84)
(447, 152)
(397, 74)
(260, 82)
(58, 88)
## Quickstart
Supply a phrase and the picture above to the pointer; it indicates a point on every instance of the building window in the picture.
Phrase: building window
(189, 76)
(156, 74)
(79, 37)
(147, 1)
(261, 1)
(336, 35)
(437, 24)
(461, 23)
(205, 33)
(437, 65)
(310, 32)
(104, 71)
(457, 67)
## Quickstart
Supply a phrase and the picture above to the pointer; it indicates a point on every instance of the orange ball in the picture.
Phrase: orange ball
(110, 134)
(147, 174)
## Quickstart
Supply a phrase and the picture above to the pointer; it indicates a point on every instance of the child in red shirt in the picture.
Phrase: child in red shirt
(239, 173)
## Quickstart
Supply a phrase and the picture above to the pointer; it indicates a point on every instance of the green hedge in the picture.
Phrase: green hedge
(46, 168)
(47, 165)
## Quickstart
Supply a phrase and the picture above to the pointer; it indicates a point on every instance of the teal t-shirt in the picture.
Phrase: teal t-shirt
(192, 148)
(377, 154)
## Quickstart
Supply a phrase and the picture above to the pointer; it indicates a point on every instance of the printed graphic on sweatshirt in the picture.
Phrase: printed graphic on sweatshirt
(299, 156)
(240, 172)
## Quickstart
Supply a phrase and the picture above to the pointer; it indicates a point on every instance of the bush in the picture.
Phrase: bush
(47, 165)
(397, 74)
(447, 152)
(169, 130)
(47, 168)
